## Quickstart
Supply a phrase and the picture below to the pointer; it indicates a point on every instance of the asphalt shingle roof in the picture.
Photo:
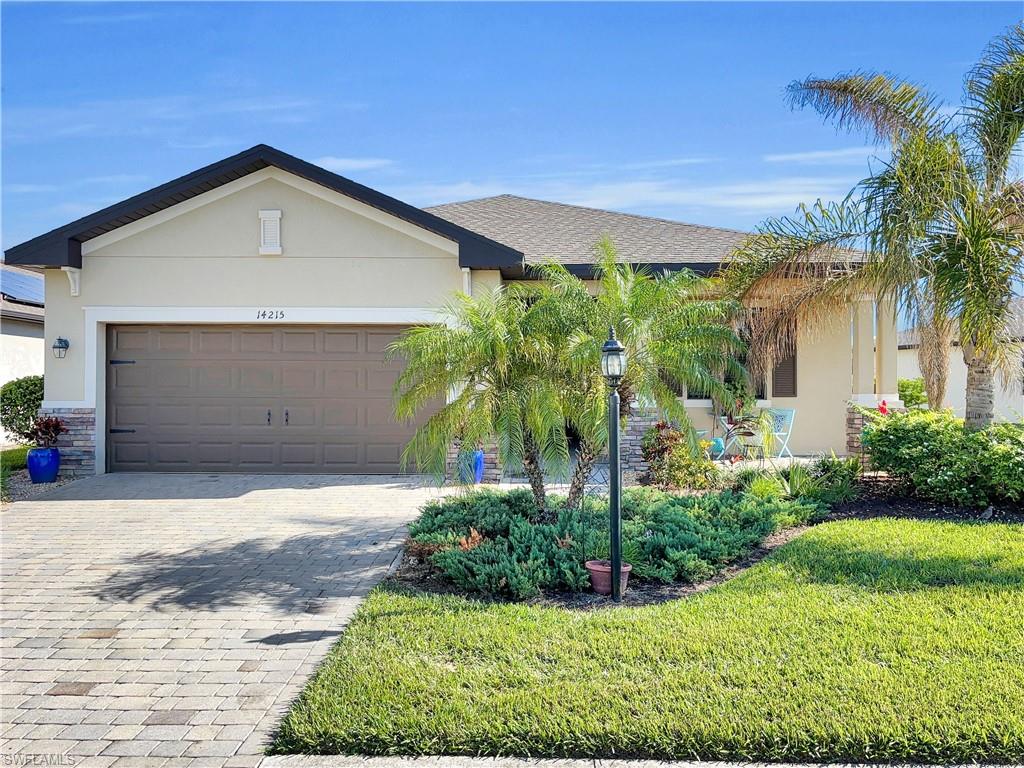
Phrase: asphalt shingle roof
(544, 231)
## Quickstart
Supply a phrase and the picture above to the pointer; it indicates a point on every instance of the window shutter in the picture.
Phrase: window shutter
(784, 378)
(270, 233)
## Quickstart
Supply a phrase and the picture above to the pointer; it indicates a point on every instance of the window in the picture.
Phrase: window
(270, 233)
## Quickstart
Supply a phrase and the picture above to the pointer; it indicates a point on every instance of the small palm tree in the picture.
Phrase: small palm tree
(938, 228)
(492, 361)
(676, 334)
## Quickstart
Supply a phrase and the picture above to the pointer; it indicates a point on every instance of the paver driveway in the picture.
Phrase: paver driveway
(148, 617)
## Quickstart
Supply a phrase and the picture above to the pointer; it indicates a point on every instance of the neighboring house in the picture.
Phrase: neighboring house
(1009, 399)
(235, 319)
(21, 326)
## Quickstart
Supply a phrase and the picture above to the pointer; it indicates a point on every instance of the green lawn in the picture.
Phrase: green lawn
(877, 640)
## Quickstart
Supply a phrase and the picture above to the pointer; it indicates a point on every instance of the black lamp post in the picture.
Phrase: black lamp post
(613, 366)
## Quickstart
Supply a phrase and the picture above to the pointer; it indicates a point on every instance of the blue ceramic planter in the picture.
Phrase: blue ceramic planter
(43, 464)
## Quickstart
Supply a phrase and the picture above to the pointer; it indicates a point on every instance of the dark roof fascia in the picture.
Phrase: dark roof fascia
(62, 247)
(586, 271)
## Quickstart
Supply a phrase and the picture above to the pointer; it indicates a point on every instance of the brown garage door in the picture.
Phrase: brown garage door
(252, 399)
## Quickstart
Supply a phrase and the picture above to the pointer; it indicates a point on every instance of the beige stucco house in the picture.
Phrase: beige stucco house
(235, 319)
(21, 326)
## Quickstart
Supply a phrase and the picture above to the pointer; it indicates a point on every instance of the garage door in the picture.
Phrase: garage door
(252, 399)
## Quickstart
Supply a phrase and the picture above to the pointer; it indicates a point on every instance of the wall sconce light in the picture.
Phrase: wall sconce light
(61, 347)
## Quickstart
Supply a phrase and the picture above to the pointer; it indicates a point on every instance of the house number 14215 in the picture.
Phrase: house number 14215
(270, 314)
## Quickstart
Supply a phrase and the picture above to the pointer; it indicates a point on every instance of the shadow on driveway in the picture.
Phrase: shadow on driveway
(298, 574)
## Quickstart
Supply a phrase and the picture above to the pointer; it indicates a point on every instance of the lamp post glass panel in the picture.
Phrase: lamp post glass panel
(613, 366)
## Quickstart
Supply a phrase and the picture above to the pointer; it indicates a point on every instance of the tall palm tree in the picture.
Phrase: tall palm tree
(937, 228)
(491, 359)
(675, 332)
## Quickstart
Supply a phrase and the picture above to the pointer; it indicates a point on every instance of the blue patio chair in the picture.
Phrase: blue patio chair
(782, 428)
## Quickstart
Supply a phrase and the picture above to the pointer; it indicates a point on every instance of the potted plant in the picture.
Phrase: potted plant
(601, 575)
(596, 560)
(44, 460)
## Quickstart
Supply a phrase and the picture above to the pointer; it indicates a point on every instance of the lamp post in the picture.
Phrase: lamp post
(613, 366)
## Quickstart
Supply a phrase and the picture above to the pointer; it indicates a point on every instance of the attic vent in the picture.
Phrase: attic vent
(270, 233)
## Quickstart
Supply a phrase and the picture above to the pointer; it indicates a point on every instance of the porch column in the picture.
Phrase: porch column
(886, 348)
(864, 352)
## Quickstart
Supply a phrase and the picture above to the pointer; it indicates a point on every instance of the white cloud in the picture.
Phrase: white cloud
(28, 189)
(115, 180)
(108, 18)
(762, 197)
(675, 162)
(350, 164)
(847, 156)
(159, 116)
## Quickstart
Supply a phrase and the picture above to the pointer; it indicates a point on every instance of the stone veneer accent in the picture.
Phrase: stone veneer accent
(78, 446)
(492, 467)
(854, 429)
(631, 450)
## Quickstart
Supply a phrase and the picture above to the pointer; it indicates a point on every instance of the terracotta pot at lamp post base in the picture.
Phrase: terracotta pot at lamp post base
(601, 575)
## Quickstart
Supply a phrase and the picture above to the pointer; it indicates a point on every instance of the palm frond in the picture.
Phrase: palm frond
(994, 96)
(886, 108)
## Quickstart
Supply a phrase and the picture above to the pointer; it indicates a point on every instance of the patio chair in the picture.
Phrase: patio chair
(782, 428)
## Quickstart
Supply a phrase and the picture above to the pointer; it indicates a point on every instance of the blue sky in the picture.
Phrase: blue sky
(672, 110)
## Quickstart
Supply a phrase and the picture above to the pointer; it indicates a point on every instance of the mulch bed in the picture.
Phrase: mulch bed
(878, 498)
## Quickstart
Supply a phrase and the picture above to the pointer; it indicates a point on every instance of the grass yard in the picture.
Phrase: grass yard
(861, 640)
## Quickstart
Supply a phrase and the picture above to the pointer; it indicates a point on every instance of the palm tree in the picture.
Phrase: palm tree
(937, 228)
(675, 332)
(492, 361)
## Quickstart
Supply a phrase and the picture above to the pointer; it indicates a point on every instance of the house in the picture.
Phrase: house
(21, 326)
(1009, 395)
(235, 319)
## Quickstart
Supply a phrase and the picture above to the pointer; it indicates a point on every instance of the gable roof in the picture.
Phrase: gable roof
(543, 231)
(62, 247)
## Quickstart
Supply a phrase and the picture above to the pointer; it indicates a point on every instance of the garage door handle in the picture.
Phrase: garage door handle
(122, 431)
(286, 416)
(268, 417)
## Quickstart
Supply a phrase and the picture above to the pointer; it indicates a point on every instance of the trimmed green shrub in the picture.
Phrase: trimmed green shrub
(673, 463)
(912, 392)
(20, 400)
(936, 458)
(488, 542)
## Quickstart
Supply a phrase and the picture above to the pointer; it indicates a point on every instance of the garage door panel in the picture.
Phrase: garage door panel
(213, 379)
(341, 342)
(164, 416)
(172, 453)
(222, 415)
(198, 398)
(131, 454)
(257, 455)
(215, 342)
(338, 380)
(301, 380)
(174, 341)
(128, 339)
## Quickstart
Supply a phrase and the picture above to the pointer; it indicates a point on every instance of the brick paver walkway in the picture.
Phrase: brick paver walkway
(170, 619)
